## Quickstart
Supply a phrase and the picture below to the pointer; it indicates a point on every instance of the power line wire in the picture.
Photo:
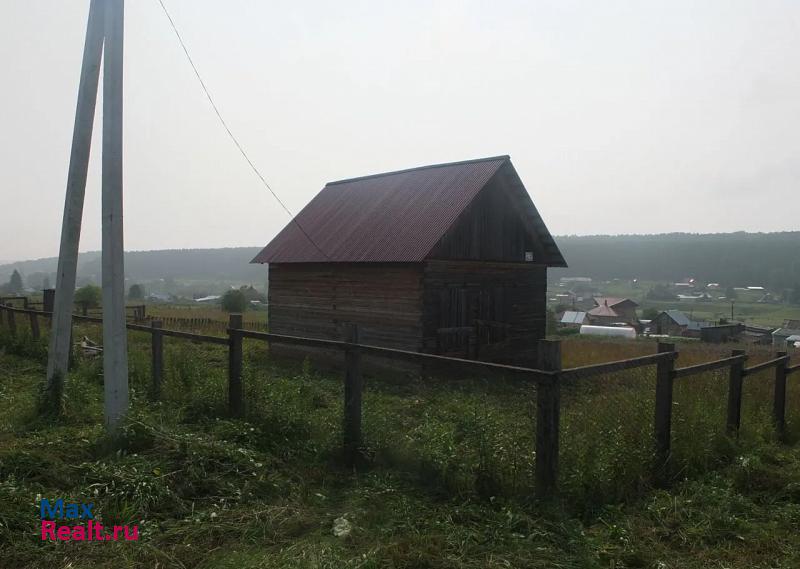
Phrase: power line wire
(231, 135)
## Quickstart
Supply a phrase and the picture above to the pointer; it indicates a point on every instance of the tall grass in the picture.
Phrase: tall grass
(448, 480)
(464, 435)
(699, 416)
(468, 435)
(606, 436)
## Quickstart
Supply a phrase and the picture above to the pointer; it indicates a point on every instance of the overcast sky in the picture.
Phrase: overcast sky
(621, 117)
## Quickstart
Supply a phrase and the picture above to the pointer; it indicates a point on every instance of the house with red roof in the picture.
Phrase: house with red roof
(613, 311)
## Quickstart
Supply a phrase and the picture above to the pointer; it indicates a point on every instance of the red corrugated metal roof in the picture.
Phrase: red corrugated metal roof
(393, 217)
(600, 300)
(603, 310)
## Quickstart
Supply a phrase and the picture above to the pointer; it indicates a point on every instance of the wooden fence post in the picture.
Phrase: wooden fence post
(734, 419)
(71, 356)
(48, 299)
(353, 387)
(663, 413)
(157, 353)
(472, 343)
(35, 332)
(12, 322)
(779, 396)
(548, 412)
(235, 394)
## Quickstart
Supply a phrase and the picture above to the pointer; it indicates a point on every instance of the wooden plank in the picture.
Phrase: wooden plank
(475, 366)
(779, 396)
(663, 412)
(473, 349)
(510, 296)
(9, 308)
(71, 355)
(472, 366)
(35, 332)
(353, 387)
(765, 365)
(235, 392)
(304, 297)
(157, 355)
(296, 340)
(548, 411)
(406, 355)
(93, 319)
(708, 366)
(139, 328)
(734, 412)
(187, 336)
(599, 369)
(456, 330)
(48, 298)
(793, 369)
(493, 227)
(12, 321)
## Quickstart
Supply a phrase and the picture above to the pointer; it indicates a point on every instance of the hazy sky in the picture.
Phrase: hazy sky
(621, 117)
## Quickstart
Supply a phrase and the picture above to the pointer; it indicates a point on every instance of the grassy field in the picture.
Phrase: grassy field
(210, 312)
(448, 481)
(749, 312)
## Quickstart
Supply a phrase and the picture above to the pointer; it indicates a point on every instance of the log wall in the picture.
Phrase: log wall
(491, 228)
(457, 293)
(318, 299)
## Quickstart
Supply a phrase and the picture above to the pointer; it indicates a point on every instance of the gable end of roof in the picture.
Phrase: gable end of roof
(396, 217)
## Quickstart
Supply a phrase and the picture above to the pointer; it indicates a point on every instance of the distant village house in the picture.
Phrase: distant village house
(613, 311)
(721, 333)
(786, 336)
(676, 323)
(573, 319)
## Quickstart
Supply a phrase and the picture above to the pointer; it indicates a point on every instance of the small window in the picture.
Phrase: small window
(528, 256)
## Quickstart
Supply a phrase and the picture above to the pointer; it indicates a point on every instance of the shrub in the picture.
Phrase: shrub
(234, 301)
(88, 296)
(136, 292)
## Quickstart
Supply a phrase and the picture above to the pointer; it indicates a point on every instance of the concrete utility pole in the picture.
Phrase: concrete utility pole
(106, 23)
(115, 336)
(60, 332)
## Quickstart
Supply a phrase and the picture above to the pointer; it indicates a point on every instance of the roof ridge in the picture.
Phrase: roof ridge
(417, 168)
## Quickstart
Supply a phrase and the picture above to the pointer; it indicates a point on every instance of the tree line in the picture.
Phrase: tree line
(771, 260)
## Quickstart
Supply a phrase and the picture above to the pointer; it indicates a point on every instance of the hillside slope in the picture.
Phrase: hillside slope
(739, 259)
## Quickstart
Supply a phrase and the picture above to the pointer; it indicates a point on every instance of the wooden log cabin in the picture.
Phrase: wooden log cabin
(449, 259)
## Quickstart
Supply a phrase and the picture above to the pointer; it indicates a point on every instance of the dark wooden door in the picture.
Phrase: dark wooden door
(471, 317)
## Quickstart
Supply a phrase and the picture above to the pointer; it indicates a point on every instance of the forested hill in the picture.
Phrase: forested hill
(228, 264)
(738, 259)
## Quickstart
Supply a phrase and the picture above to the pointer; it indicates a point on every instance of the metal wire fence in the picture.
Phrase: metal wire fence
(467, 426)
(607, 434)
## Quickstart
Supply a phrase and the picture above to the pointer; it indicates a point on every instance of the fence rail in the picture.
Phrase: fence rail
(610, 367)
(212, 323)
(709, 366)
(781, 360)
(548, 377)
